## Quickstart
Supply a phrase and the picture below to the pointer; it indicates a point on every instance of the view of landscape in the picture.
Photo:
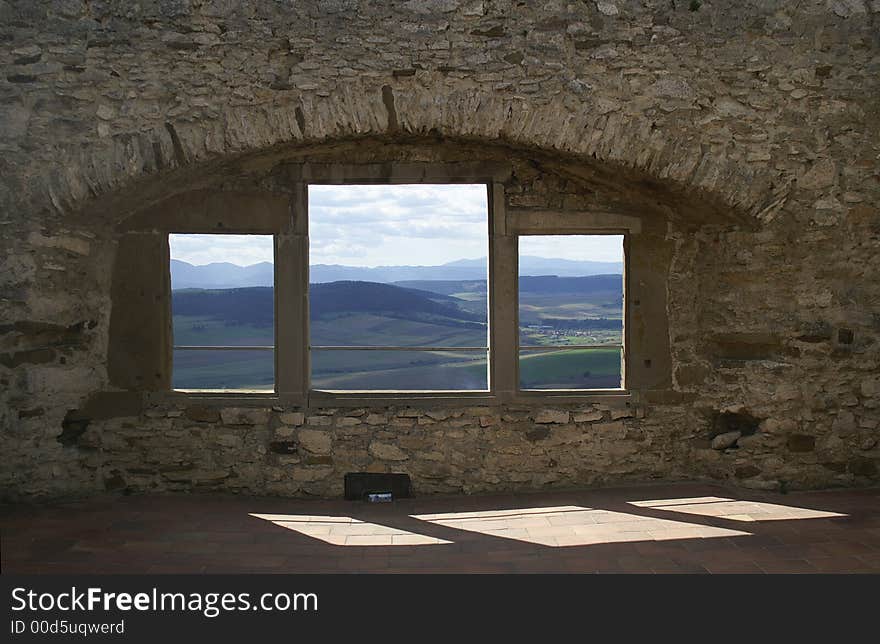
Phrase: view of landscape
(402, 325)
(559, 315)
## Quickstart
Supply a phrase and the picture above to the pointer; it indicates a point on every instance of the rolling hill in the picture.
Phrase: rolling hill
(255, 305)
(542, 284)
(389, 300)
(446, 313)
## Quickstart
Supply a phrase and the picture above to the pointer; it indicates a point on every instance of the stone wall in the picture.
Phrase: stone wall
(445, 450)
(750, 128)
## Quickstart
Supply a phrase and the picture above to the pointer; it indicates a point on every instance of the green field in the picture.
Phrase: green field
(546, 319)
(399, 370)
(368, 329)
(239, 369)
(570, 369)
(202, 331)
(535, 307)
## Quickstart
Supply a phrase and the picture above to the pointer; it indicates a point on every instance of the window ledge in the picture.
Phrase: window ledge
(613, 397)
(322, 399)
(223, 398)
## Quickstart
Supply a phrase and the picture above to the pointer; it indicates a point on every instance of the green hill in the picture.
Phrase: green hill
(389, 300)
(255, 305)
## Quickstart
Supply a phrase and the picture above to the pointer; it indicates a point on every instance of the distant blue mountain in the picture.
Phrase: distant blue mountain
(226, 275)
(220, 275)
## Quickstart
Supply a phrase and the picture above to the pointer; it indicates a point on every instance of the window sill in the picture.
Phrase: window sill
(322, 398)
(224, 398)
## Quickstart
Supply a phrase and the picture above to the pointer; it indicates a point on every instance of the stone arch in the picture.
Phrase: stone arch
(182, 152)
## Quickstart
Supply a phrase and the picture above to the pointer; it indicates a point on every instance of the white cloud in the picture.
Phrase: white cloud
(235, 249)
(411, 224)
(595, 248)
(376, 225)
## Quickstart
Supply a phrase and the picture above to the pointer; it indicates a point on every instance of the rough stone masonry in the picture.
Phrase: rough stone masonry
(746, 136)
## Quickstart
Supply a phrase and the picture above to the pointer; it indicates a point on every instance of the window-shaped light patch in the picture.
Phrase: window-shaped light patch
(574, 526)
(736, 509)
(223, 312)
(571, 311)
(398, 287)
(348, 531)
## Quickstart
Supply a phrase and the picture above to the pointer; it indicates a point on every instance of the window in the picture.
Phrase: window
(571, 312)
(410, 281)
(398, 283)
(222, 306)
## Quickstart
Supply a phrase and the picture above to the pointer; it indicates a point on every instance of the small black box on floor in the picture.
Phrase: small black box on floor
(358, 485)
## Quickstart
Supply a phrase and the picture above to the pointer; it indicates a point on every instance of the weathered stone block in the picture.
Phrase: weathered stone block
(305, 473)
(244, 416)
(283, 447)
(565, 435)
(692, 374)
(821, 175)
(724, 441)
(227, 440)
(550, 416)
(844, 424)
(587, 417)
(801, 443)
(295, 418)
(315, 441)
(538, 434)
(746, 471)
(202, 414)
(387, 452)
(609, 430)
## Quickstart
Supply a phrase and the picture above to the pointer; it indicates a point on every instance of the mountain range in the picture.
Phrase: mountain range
(227, 275)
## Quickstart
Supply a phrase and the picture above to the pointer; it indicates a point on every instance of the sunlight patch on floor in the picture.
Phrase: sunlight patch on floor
(347, 531)
(734, 510)
(573, 526)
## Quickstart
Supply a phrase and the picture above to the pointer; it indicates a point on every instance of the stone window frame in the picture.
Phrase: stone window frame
(284, 214)
(335, 178)
(175, 347)
(527, 222)
(505, 226)
(564, 231)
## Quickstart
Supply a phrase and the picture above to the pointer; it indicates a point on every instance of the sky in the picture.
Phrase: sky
(392, 225)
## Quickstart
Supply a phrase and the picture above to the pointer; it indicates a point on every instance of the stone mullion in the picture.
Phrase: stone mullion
(503, 319)
(291, 302)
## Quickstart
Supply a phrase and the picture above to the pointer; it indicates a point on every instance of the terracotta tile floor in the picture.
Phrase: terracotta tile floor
(664, 529)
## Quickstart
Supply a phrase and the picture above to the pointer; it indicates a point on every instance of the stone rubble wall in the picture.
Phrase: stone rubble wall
(445, 450)
(278, 451)
(769, 108)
